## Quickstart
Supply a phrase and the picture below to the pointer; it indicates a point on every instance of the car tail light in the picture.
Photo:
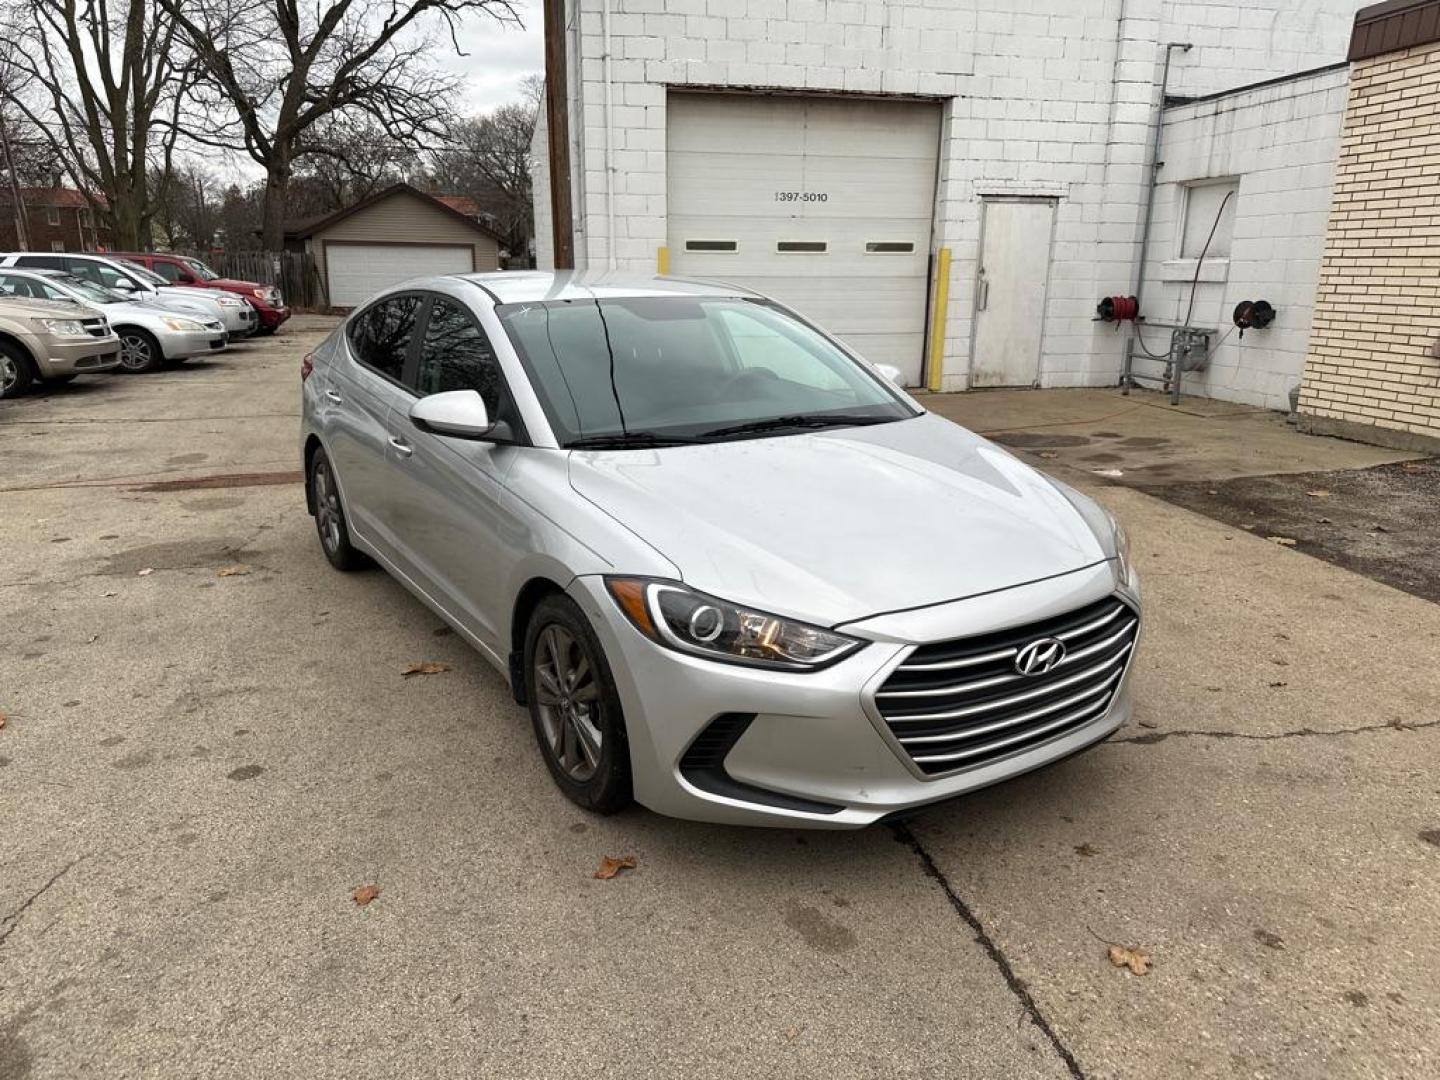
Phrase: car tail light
(307, 365)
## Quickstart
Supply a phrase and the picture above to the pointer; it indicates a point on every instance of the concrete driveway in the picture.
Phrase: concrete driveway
(198, 770)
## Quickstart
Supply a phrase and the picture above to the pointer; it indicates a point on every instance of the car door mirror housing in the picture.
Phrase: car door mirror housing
(458, 414)
(124, 285)
(891, 372)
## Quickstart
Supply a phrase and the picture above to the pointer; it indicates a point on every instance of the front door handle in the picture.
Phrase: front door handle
(401, 447)
(334, 396)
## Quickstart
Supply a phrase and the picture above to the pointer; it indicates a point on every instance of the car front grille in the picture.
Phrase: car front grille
(96, 327)
(957, 704)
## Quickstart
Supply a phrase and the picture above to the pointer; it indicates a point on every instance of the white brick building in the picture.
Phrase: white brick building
(838, 152)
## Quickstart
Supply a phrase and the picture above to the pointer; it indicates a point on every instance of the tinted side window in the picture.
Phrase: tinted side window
(40, 260)
(455, 354)
(380, 335)
(168, 270)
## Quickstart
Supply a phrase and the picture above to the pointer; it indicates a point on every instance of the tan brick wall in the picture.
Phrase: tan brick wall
(1377, 308)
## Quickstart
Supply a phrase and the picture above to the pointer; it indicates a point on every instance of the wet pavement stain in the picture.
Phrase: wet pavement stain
(178, 555)
(1036, 440)
(819, 931)
(245, 772)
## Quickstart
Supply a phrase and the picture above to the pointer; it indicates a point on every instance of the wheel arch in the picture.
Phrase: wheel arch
(123, 328)
(534, 590)
(10, 339)
(312, 446)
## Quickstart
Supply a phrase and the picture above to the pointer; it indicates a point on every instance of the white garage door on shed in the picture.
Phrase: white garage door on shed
(356, 272)
(827, 204)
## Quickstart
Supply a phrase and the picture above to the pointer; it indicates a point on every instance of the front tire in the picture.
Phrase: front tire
(17, 371)
(330, 516)
(575, 707)
(139, 352)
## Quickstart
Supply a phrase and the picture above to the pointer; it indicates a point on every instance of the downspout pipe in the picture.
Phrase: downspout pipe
(1170, 47)
(609, 141)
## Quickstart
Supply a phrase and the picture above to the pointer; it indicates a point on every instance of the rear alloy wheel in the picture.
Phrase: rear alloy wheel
(575, 708)
(139, 352)
(330, 516)
(16, 371)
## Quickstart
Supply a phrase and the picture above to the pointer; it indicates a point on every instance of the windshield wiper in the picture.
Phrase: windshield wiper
(800, 420)
(623, 440)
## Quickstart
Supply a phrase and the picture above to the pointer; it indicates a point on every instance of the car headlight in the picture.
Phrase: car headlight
(692, 622)
(183, 324)
(64, 327)
(1122, 549)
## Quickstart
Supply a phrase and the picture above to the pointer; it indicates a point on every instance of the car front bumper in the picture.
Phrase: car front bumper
(75, 356)
(812, 749)
(271, 317)
(179, 344)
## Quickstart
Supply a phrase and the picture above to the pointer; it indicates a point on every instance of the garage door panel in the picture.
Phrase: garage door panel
(356, 272)
(761, 171)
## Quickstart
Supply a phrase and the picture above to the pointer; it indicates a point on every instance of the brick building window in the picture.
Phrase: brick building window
(52, 215)
(1202, 201)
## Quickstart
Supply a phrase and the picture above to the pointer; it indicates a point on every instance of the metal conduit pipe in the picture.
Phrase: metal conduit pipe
(1170, 47)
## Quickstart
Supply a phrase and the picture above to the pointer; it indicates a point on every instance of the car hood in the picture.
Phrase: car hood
(26, 307)
(834, 526)
(231, 284)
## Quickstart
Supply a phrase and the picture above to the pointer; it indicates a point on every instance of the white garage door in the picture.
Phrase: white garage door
(824, 203)
(356, 272)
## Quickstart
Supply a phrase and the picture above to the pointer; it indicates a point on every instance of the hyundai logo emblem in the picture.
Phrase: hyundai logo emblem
(1040, 656)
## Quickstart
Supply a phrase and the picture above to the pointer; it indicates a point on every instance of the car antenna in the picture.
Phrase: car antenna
(614, 391)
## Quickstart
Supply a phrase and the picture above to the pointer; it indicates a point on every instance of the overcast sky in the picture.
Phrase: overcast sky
(498, 58)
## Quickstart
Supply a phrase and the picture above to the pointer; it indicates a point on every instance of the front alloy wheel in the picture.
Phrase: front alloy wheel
(139, 352)
(575, 707)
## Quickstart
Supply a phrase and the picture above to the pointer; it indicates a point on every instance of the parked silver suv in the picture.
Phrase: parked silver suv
(53, 340)
(732, 569)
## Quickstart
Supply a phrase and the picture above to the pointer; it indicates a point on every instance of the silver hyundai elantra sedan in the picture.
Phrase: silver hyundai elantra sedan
(734, 572)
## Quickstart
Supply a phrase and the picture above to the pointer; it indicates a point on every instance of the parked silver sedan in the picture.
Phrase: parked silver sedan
(734, 572)
(150, 335)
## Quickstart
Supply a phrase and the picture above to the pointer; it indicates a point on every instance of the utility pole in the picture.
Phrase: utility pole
(22, 240)
(557, 118)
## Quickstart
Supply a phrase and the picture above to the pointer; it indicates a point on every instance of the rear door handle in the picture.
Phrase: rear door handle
(401, 447)
(334, 396)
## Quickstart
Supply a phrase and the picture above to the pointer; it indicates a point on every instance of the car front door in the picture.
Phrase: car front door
(458, 523)
(364, 401)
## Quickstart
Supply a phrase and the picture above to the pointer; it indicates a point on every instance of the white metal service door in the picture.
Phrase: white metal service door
(356, 272)
(825, 204)
(1010, 291)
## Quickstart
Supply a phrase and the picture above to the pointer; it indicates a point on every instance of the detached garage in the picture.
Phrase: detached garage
(390, 237)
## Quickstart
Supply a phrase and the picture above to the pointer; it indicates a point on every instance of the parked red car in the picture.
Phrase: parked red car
(183, 270)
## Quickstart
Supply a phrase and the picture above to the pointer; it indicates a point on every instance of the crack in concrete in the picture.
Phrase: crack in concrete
(1016, 984)
(1301, 733)
(10, 923)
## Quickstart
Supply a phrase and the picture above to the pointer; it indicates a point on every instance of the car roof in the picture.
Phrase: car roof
(534, 286)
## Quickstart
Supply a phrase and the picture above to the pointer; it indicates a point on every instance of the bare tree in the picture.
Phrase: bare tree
(491, 163)
(348, 158)
(187, 206)
(283, 68)
(101, 84)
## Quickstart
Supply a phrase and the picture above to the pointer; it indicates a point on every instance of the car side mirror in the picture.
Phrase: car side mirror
(124, 285)
(891, 372)
(457, 414)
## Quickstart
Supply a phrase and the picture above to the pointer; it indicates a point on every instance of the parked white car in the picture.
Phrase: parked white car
(150, 335)
(237, 316)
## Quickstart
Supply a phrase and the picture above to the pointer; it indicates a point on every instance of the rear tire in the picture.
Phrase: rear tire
(139, 352)
(330, 520)
(17, 371)
(575, 707)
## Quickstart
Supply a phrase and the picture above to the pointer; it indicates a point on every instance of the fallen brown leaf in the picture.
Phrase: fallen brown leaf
(2, 720)
(238, 570)
(146, 572)
(1086, 850)
(1137, 960)
(424, 667)
(1148, 724)
(1048, 455)
(1283, 541)
(364, 894)
(610, 866)
(1318, 493)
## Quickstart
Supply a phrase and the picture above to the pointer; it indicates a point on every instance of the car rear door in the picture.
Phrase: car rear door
(460, 526)
(365, 399)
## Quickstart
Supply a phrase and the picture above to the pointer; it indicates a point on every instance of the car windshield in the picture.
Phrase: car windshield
(647, 370)
(200, 270)
(88, 290)
(147, 276)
